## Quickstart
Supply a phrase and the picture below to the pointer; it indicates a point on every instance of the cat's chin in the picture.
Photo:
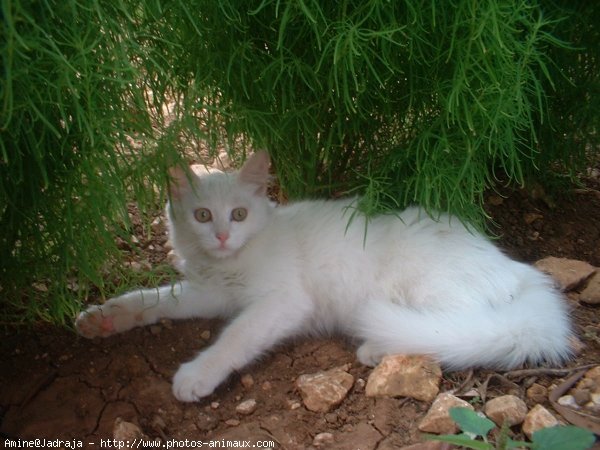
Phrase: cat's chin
(222, 253)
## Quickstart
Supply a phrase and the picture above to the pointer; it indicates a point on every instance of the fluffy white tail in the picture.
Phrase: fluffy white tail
(533, 327)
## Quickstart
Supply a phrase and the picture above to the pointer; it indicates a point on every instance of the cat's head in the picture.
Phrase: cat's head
(217, 214)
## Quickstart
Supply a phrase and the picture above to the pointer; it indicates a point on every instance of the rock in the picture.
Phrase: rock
(590, 382)
(537, 393)
(322, 439)
(594, 403)
(293, 404)
(530, 217)
(509, 408)
(536, 419)
(568, 401)
(206, 422)
(587, 392)
(592, 378)
(412, 376)
(247, 381)
(323, 391)
(360, 384)
(591, 293)
(205, 335)
(438, 420)
(247, 407)
(127, 431)
(331, 418)
(568, 273)
(360, 436)
(581, 396)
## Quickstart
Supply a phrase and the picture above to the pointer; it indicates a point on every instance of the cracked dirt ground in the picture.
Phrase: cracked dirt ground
(56, 385)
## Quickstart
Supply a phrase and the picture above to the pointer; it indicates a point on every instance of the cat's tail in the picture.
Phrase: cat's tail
(534, 327)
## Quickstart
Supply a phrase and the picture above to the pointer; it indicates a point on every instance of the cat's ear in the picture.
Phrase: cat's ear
(256, 171)
(179, 182)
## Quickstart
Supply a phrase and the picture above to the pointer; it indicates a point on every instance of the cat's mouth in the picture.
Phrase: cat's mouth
(223, 251)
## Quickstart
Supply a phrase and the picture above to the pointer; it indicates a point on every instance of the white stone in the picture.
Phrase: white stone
(247, 381)
(438, 420)
(247, 407)
(568, 273)
(591, 293)
(205, 335)
(412, 376)
(323, 439)
(322, 391)
(509, 408)
(126, 431)
(536, 419)
(568, 401)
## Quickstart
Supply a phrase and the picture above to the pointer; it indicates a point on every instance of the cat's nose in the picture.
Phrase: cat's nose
(222, 236)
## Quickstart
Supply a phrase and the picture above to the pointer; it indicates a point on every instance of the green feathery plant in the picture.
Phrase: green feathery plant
(83, 85)
(409, 102)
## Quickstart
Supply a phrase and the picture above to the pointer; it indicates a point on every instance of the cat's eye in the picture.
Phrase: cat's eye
(239, 214)
(203, 215)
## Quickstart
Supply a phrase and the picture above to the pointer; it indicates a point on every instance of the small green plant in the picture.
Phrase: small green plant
(474, 427)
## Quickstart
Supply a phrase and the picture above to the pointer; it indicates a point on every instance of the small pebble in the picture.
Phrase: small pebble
(322, 439)
(247, 407)
(537, 393)
(205, 335)
(232, 422)
(294, 404)
(214, 405)
(167, 323)
(581, 396)
(568, 401)
(331, 417)
(247, 381)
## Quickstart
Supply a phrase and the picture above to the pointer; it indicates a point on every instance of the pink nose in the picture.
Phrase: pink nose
(222, 236)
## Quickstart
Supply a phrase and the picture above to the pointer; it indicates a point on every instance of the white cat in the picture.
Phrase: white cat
(412, 285)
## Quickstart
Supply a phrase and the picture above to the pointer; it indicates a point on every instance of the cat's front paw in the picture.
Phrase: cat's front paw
(103, 321)
(193, 382)
(93, 323)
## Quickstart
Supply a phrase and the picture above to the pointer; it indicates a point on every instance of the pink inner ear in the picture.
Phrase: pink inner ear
(256, 171)
(179, 183)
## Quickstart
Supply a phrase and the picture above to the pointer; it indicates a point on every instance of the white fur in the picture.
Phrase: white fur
(410, 285)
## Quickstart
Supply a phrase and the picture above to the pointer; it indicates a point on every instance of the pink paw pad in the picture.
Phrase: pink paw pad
(107, 325)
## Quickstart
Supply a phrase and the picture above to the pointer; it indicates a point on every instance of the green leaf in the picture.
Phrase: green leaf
(470, 422)
(517, 444)
(563, 438)
(463, 440)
